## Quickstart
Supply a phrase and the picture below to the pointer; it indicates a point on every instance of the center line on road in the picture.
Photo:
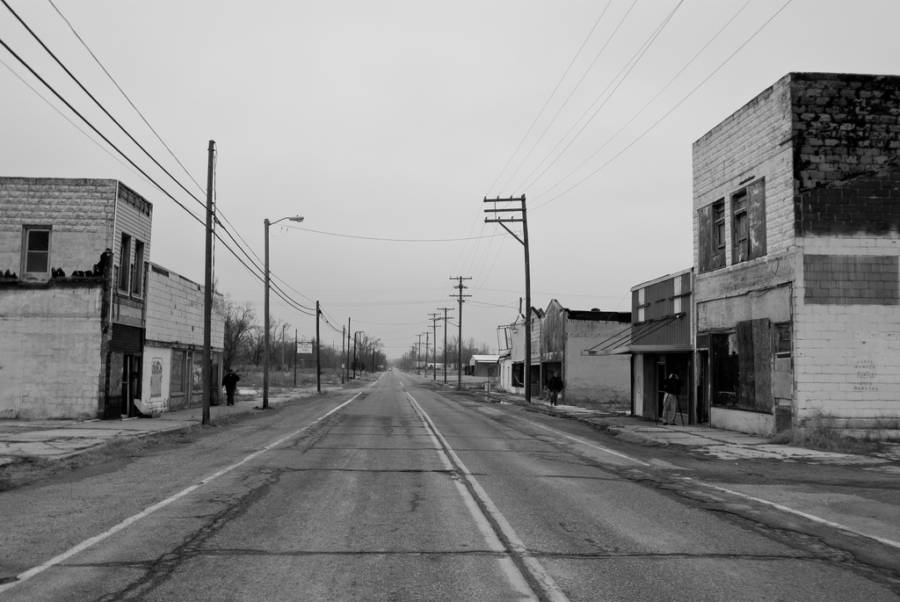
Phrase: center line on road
(484, 511)
(87, 543)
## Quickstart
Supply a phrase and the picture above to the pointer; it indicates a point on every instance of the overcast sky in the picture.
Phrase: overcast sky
(392, 120)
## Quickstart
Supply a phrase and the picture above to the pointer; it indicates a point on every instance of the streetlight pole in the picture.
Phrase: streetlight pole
(266, 224)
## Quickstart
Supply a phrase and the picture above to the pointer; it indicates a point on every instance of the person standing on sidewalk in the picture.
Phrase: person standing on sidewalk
(230, 381)
(555, 386)
(672, 388)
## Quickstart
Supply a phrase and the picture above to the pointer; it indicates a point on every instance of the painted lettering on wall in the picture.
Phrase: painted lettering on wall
(866, 376)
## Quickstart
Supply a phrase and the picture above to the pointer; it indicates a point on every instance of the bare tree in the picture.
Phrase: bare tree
(238, 327)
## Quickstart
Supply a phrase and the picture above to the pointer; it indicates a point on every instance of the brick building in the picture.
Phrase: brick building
(72, 261)
(796, 246)
(173, 345)
(596, 381)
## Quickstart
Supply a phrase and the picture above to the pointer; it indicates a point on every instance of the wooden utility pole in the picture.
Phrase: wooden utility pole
(354, 353)
(343, 351)
(460, 299)
(295, 357)
(523, 219)
(208, 282)
(434, 317)
(347, 367)
(446, 309)
(418, 352)
(318, 359)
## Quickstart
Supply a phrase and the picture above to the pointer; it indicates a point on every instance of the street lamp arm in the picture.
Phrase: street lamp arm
(293, 218)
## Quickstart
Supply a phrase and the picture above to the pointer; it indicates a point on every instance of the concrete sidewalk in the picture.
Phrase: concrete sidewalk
(60, 439)
(714, 443)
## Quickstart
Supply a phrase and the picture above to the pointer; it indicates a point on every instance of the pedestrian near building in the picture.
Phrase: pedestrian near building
(671, 387)
(230, 381)
(555, 386)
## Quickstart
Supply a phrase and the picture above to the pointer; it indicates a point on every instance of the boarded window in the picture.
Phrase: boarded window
(748, 222)
(711, 244)
(36, 251)
(742, 367)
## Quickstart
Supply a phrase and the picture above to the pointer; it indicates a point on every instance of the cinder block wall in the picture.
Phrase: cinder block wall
(50, 352)
(175, 311)
(600, 380)
(81, 212)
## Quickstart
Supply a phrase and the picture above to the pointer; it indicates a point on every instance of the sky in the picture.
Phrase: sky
(385, 124)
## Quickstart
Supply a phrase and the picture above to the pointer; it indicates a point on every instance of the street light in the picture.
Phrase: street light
(266, 224)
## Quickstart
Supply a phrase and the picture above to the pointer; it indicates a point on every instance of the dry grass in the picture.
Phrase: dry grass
(819, 435)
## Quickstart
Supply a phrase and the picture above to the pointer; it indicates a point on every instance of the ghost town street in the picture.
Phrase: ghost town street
(401, 490)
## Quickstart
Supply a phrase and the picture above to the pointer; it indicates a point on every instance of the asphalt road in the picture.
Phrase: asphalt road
(400, 492)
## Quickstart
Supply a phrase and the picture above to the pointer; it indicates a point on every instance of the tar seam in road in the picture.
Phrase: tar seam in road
(87, 543)
(480, 513)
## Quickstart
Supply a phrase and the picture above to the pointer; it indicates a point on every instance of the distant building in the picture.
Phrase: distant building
(796, 246)
(590, 380)
(484, 365)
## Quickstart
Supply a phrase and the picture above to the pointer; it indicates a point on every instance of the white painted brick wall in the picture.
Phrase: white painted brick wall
(175, 311)
(599, 379)
(50, 353)
(749, 143)
(846, 357)
(80, 212)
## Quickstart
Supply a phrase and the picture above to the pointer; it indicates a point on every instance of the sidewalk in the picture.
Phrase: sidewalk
(718, 444)
(60, 439)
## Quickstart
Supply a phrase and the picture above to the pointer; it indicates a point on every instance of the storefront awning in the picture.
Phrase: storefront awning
(628, 339)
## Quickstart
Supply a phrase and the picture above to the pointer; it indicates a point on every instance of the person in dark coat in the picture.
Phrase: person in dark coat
(230, 381)
(555, 386)
(672, 388)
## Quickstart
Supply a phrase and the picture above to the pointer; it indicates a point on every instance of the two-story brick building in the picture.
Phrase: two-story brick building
(72, 259)
(796, 246)
(78, 305)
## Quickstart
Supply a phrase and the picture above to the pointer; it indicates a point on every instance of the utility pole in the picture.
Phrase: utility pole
(208, 283)
(434, 317)
(343, 351)
(446, 309)
(295, 357)
(418, 353)
(508, 205)
(354, 353)
(461, 299)
(347, 367)
(318, 359)
(425, 365)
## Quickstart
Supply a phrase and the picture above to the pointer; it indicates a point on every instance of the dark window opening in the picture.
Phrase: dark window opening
(176, 383)
(124, 262)
(36, 249)
(518, 374)
(718, 210)
(725, 370)
(137, 269)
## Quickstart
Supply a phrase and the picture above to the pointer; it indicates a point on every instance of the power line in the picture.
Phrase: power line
(654, 98)
(622, 75)
(97, 102)
(125, 156)
(667, 113)
(119, 88)
(384, 239)
(552, 94)
(571, 92)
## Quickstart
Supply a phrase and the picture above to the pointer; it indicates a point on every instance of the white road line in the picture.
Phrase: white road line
(87, 543)
(789, 510)
(587, 443)
(548, 586)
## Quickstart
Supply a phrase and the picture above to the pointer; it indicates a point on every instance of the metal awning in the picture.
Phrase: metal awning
(626, 339)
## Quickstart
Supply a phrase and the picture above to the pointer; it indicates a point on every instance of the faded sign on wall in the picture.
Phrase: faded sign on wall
(156, 374)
